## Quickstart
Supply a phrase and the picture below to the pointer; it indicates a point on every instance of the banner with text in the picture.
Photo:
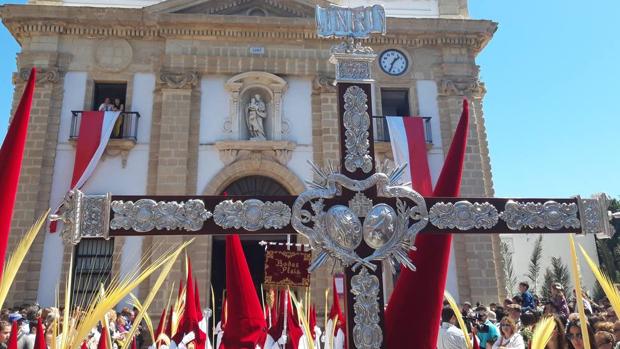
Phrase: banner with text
(287, 267)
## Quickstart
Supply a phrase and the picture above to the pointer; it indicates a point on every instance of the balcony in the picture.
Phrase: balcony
(123, 138)
(382, 133)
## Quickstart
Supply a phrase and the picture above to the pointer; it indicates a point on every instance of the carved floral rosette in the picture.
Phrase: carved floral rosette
(145, 215)
(252, 214)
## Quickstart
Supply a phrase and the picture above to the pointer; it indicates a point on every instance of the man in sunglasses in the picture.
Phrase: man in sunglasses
(484, 328)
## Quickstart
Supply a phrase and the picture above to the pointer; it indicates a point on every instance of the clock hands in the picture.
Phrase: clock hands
(393, 62)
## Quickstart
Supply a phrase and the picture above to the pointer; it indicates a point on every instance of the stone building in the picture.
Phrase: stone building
(189, 68)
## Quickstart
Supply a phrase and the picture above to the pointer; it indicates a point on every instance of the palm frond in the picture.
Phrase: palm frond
(459, 317)
(304, 321)
(604, 280)
(583, 320)
(147, 319)
(542, 333)
(115, 294)
(17, 257)
(149, 299)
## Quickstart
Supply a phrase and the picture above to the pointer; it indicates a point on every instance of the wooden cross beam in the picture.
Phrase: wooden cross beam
(353, 214)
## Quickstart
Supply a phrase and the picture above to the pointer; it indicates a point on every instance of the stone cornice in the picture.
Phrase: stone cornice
(28, 20)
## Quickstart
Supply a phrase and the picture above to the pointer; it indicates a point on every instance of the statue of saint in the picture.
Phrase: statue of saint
(256, 113)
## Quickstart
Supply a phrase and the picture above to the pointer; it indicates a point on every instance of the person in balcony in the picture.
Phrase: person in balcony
(106, 105)
(118, 126)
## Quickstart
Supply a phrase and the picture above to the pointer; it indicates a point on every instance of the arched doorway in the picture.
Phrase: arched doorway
(254, 253)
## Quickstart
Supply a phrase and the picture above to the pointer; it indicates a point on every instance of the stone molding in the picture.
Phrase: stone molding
(461, 86)
(244, 168)
(28, 20)
(278, 151)
(322, 83)
(44, 75)
(114, 148)
(178, 79)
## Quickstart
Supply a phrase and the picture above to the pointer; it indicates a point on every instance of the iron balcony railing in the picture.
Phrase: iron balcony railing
(126, 126)
(382, 133)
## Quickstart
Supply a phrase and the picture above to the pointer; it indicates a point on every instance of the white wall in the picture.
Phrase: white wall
(554, 245)
(109, 175)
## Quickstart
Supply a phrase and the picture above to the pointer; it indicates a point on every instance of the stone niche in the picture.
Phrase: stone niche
(240, 144)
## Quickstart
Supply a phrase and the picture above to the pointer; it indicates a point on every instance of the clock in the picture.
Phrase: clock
(393, 62)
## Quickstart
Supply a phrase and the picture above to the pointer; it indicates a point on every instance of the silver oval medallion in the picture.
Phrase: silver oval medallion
(379, 225)
(343, 226)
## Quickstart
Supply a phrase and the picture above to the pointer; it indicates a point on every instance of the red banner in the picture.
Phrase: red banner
(287, 267)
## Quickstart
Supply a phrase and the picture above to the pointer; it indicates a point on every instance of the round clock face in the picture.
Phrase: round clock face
(393, 62)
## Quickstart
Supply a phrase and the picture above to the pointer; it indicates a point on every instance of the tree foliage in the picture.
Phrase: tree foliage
(535, 264)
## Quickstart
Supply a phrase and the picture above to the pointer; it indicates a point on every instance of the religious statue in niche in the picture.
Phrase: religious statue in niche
(256, 114)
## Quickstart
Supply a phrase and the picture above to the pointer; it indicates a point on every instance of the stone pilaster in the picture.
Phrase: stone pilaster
(38, 164)
(476, 256)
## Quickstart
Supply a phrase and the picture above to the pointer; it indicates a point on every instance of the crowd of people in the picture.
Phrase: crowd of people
(510, 325)
(27, 317)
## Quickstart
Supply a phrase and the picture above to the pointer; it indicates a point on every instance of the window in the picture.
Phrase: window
(109, 90)
(92, 267)
(395, 102)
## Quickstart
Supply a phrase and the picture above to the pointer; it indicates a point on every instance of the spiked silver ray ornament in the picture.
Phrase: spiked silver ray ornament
(336, 231)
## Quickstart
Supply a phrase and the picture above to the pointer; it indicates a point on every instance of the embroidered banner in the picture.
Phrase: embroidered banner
(287, 267)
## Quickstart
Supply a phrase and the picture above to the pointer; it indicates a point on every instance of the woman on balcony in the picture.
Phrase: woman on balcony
(118, 126)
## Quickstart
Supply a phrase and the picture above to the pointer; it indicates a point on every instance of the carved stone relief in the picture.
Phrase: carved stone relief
(44, 75)
(232, 151)
(113, 55)
(178, 79)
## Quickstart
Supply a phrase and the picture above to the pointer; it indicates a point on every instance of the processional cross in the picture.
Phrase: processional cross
(352, 214)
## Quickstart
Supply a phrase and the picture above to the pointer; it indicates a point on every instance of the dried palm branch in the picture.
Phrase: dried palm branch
(147, 319)
(459, 317)
(583, 320)
(605, 281)
(120, 289)
(17, 257)
(299, 307)
(542, 333)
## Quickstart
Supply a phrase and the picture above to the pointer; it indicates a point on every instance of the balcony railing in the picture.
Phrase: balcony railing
(126, 127)
(382, 133)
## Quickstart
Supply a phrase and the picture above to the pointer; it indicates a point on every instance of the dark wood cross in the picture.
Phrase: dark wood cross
(351, 213)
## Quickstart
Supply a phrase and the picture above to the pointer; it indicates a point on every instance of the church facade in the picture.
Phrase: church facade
(229, 97)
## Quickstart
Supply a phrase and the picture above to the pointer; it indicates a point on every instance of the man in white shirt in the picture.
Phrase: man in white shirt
(450, 336)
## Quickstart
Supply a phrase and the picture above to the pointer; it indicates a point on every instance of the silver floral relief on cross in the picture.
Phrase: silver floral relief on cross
(367, 333)
(356, 123)
(463, 215)
(551, 215)
(252, 214)
(146, 214)
(360, 204)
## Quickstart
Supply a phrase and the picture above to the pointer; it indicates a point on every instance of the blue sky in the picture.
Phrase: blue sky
(553, 78)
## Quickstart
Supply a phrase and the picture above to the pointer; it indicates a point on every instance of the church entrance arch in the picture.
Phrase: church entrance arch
(254, 253)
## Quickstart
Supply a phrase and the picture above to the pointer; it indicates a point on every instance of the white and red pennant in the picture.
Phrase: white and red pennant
(94, 134)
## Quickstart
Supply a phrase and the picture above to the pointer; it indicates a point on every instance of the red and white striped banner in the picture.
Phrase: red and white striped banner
(409, 146)
(95, 130)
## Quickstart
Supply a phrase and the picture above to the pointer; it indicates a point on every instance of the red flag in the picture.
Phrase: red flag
(12, 344)
(134, 345)
(335, 310)
(312, 321)
(11, 156)
(431, 260)
(245, 322)
(84, 345)
(169, 322)
(103, 339)
(476, 345)
(161, 327)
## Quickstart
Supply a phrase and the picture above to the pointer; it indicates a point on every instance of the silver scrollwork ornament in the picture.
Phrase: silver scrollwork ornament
(367, 333)
(463, 215)
(356, 123)
(551, 215)
(252, 214)
(146, 214)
